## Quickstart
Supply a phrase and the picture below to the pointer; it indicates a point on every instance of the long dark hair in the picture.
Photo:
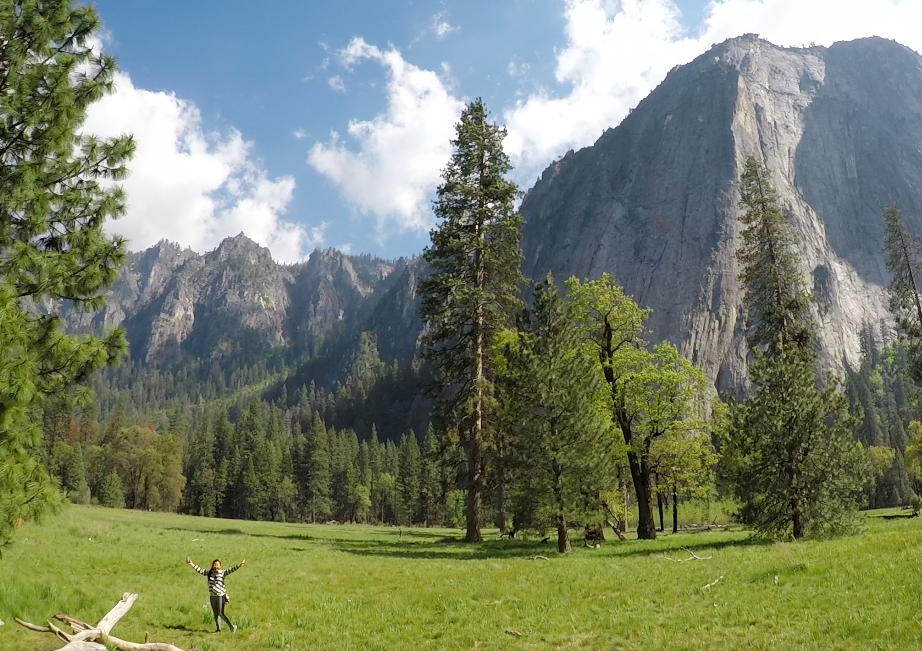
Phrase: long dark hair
(211, 569)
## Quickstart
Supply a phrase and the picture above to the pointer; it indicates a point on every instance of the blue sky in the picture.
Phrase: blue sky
(252, 93)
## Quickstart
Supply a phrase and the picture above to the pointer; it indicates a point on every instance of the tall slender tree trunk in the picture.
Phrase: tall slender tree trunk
(474, 455)
(675, 509)
(502, 518)
(474, 478)
(797, 519)
(640, 474)
(563, 535)
(659, 506)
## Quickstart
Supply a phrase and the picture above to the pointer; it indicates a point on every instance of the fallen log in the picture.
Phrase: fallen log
(92, 638)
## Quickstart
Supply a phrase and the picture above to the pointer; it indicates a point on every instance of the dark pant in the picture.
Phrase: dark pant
(217, 607)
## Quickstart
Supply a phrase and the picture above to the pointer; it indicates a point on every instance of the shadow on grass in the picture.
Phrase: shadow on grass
(183, 627)
(457, 549)
(416, 543)
(676, 545)
(445, 549)
(238, 532)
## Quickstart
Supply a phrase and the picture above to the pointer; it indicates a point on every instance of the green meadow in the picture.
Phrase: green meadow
(354, 587)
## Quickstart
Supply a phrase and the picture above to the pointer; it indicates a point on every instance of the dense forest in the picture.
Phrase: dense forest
(261, 436)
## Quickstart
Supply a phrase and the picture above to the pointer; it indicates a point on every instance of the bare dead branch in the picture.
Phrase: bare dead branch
(712, 583)
(89, 638)
(118, 611)
(696, 557)
(692, 556)
(75, 624)
(32, 627)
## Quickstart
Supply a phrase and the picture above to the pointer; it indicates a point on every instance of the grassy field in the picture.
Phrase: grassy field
(341, 587)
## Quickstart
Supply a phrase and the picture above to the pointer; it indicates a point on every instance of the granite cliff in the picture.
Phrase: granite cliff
(655, 200)
(176, 304)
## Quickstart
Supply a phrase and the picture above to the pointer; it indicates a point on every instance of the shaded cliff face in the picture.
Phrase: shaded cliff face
(655, 201)
(174, 303)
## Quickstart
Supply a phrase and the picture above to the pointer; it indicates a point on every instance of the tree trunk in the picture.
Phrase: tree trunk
(659, 506)
(563, 537)
(797, 518)
(675, 509)
(640, 474)
(502, 518)
(474, 460)
(473, 492)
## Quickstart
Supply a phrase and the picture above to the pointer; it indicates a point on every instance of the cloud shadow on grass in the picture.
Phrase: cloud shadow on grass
(238, 532)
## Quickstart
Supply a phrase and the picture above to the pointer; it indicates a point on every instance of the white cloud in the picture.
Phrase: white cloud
(440, 26)
(193, 187)
(336, 83)
(401, 151)
(517, 69)
(300, 134)
(617, 52)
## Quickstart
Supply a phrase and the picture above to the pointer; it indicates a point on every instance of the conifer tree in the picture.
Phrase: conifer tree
(904, 262)
(777, 303)
(473, 287)
(430, 478)
(314, 472)
(78, 491)
(408, 479)
(790, 455)
(54, 201)
(564, 439)
(112, 495)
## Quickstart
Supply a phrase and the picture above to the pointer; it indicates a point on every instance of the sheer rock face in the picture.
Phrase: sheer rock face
(174, 302)
(655, 201)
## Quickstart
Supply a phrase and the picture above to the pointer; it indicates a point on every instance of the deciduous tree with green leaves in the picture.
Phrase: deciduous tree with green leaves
(472, 290)
(55, 197)
(612, 323)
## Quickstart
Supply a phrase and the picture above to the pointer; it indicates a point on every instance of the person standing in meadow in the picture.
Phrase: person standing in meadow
(216, 589)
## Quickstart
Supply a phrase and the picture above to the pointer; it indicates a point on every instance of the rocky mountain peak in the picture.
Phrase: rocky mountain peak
(655, 200)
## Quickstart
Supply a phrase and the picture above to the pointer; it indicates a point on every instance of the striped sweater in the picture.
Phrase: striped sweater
(216, 579)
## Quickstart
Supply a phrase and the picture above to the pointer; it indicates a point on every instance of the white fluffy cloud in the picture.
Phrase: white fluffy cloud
(617, 51)
(193, 187)
(440, 25)
(401, 151)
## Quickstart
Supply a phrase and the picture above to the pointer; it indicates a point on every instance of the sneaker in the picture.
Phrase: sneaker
(233, 628)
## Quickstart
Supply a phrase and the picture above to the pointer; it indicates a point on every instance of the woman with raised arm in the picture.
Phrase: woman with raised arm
(216, 589)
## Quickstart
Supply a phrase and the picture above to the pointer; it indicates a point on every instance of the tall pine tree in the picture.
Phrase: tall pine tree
(55, 197)
(790, 455)
(473, 287)
(904, 262)
(564, 441)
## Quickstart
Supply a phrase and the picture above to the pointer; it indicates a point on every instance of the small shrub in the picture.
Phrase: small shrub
(915, 502)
